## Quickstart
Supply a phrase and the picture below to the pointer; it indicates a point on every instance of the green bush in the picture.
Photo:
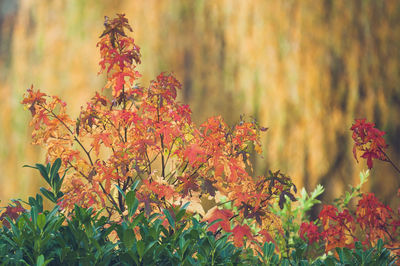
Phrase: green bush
(38, 237)
(83, 238)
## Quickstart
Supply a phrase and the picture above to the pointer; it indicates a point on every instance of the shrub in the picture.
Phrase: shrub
(135, 134)
(136, 169)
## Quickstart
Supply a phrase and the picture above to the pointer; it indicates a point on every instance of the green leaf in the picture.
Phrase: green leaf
(182, 211)
(120, 191)
(130, 198)
(38, 202)
(153, 216)
(138, 219)
(59, 195)
(134, 185)
(269, 249)
(330, 261)
(54, 169)
(57, 184)
(29, 166)
(340, 252)
(128, 238)
(40, 260)
(131, 202)
(213, 222)
(140, 248)
(169, 218)
(379, 245)
(347, 255)
(48, 194)
(41, 221)
(34, 214)
(43, 171)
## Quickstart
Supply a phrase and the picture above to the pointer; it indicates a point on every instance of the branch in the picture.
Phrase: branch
(390, 161)
(71, 132)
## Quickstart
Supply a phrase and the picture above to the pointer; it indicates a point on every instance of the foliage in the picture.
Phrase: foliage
(87, 237)
(344, 200)
(340, 227)
(52, 177)
(146, 135)
(293, 216)
(369, 140)
(135, 153)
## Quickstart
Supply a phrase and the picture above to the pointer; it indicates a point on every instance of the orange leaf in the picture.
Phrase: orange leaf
(194, 153)
(239, 232)
(224, 215)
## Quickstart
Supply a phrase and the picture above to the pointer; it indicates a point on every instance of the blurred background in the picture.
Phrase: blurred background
(305, 69)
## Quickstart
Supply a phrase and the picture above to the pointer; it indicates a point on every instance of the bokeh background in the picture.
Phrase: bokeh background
(305, 69)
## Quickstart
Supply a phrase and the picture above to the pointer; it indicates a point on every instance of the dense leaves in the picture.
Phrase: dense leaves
(138, 156)
(144, 134)
(175, 238)
(372, 221)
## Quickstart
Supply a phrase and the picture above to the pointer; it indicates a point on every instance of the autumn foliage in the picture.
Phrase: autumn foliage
(372, 220)
(369, 140)
(129, 133)
(12, 211)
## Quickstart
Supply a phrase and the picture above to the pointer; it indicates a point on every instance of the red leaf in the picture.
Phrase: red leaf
(267, 236)
(369, 155)
(311, 230)
(369, 140)
(215, 214)
(13, 212)
(194, 153)
(239, 232)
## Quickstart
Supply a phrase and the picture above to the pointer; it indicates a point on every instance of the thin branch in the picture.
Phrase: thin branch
(72, 133)
(111, 199)
(390, 161)
(119, 133)
(170, 149)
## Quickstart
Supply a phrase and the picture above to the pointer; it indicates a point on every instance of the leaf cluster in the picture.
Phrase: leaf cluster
(129, 134)
(86, 237)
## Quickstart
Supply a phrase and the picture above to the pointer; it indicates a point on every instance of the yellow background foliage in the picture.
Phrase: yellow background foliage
(305, 69)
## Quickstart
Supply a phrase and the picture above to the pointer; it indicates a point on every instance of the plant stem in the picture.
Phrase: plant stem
(390, 161)
(72, 133)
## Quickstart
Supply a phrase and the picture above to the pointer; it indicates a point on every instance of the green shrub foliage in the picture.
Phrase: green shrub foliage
(86, 237)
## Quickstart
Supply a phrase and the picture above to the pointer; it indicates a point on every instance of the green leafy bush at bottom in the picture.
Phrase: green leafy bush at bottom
(40, 237)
